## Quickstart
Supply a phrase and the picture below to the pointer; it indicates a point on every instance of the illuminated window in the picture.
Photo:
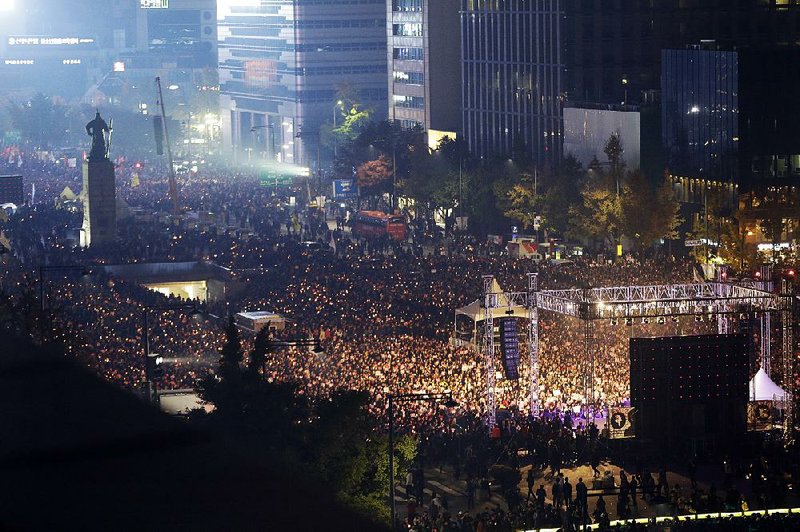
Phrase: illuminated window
(408, 54)
(409, 78)
(408, 102)
(407, 5)
(407, 30)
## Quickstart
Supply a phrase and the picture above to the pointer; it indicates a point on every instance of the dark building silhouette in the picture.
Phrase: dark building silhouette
(612, 49)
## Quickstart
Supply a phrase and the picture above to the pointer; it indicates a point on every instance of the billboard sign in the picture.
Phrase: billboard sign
(344, 188)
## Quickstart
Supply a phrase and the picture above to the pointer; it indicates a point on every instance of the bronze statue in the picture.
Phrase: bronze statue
(97, 129)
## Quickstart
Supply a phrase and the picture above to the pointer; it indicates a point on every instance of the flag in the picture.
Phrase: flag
(333, 242)
(33, 193)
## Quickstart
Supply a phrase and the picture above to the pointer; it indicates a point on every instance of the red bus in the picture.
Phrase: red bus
(376, 224)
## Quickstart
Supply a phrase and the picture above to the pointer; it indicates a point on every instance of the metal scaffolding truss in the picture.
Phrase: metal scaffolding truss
(589, 304)
(655, 301)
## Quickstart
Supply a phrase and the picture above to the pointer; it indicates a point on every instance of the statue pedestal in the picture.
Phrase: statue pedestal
(99, 203)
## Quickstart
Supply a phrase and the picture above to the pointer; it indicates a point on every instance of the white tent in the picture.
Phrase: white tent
(475, 311)
(67, 194)
(763, 389)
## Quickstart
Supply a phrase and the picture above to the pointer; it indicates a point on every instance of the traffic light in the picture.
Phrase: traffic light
(138, 165)
(155, 369)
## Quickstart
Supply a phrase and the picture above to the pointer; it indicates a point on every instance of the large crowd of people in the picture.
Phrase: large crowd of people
(385, 311)
(382, 310)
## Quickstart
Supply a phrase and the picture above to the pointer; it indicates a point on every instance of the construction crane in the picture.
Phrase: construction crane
(173, 182)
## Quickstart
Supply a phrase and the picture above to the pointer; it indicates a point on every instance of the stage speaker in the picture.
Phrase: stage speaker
(690, 386)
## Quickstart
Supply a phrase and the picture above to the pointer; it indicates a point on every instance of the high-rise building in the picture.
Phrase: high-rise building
(281, 63)
(424, 63)
(511, 70)
(180, 32)
(700, 113)
(612, 49)
(727, 117)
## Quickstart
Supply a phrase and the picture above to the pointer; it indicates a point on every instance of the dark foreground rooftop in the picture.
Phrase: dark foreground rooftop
(79, 454)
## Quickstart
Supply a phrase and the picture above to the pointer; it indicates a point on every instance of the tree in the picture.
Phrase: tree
(40, 121)
(224, 389)
(599, 216)
(231, 356)
(373, 173)
(258, 356)
(562, 191)
(613, 150)
(525, 202)
(649, 214)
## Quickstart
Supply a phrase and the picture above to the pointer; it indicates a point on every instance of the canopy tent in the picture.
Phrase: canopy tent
(67, 194)
(475, 311)
(763, 389)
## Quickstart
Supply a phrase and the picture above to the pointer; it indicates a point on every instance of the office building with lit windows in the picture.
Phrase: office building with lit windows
(280, 63)
(729, 125)
(700, 108)
(424, 64)
(511, 70)
(727, 116)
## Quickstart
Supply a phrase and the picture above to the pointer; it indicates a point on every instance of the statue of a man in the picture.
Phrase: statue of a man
(97, 129)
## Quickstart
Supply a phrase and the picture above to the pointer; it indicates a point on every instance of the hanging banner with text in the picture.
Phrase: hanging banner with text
(344, 188)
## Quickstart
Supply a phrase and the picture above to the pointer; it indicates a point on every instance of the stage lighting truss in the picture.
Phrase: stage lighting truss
(704, 301)
(698, 299)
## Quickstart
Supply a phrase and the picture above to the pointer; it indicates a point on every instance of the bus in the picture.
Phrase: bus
(371, 224)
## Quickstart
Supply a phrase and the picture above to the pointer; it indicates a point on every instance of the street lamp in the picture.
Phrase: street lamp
(625, 87)
(43, 270)
(149, 384)
(445, 398)
(336, 108)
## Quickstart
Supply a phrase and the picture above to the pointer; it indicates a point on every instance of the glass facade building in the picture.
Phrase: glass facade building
(700, 113)
(511, 70)
(280, 63)
(730, 116)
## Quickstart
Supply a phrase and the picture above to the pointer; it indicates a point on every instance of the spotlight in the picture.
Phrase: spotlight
(614, 321)
(674, 319)
(628, 321)
(661, 320)
(645, 321)
(743, 316)
(698, 318)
